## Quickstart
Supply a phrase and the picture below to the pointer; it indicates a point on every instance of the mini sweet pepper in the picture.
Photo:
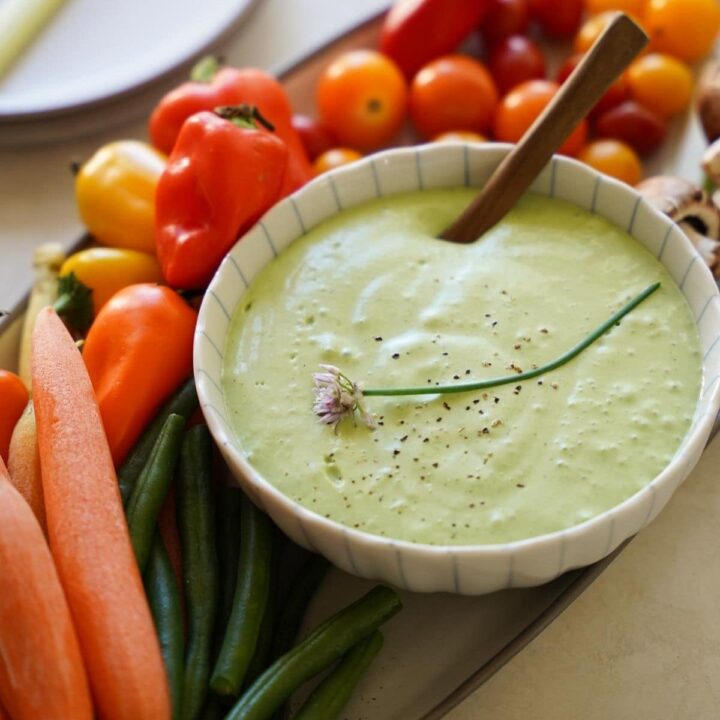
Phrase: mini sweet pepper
(222, 175)
(417, 31)
(210, 88)
(115, 190)
(138, 351)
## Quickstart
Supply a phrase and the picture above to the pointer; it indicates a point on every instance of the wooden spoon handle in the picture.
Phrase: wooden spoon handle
(608, 57)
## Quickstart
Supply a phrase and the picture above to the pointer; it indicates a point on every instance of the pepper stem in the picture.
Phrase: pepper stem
(244, 116)
(205, 69)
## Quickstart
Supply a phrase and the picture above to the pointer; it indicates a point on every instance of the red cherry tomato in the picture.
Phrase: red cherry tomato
(362, 98)
(557, 18)
(619, 91)
(505, 18)
(515, 60)
(635, 125)
(453, 92)
(315, 137)
(522, 105)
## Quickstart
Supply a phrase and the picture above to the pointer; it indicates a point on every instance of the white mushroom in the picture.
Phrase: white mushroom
(690, 207)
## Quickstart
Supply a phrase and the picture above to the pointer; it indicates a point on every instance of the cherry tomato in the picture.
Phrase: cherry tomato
(521, 106)
(592, 29)
(504, 18)
(459, 136)
(557, 18)
(661, 83)
(684, 28)
(315, 137)
(334, 158)
(634, 124)
(362, 99)
(515, 60)
(630, 7)
(453, 92)
(613, 158)
(617, 93)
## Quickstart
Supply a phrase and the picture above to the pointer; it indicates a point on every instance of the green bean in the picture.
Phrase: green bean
(329, 698)
(200, 568)
(228, 547)
(163, 596)
(183, 402)
(214, 709)
(298, 598)
(317, 652)
(261, 657)
(249, 603)
(152, 487)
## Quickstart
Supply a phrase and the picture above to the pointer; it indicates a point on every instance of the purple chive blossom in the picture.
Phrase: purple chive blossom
(336, 396)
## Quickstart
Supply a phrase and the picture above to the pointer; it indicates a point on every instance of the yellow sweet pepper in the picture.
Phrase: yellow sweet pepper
(115, 193)
(105, 271)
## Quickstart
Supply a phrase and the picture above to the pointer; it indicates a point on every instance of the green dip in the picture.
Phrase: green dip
(374, 293)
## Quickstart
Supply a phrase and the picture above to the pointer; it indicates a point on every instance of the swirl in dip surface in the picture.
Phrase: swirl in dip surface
(373, 292)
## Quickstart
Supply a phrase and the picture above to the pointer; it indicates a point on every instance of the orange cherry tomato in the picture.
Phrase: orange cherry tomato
(522, 105)
(613, 158)
(661, 83)
(454, 92)
(684, 28)
(592, 29)
(334, 158)
(459, 136)
(314, 136)
(362, 99)
(631, 7)
(13, 399)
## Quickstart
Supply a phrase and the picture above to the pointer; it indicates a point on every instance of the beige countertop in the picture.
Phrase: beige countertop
(643, 641)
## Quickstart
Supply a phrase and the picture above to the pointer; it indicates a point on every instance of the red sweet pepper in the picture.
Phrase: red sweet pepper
(231, 86)
(417, 31)
(222, 175)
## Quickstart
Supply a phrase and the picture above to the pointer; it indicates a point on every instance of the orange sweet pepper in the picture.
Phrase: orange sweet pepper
(13, 399)
(138, 351)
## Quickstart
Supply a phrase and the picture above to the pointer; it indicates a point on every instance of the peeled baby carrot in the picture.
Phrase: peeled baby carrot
(41, 668)
(24, 464)
(88, 534)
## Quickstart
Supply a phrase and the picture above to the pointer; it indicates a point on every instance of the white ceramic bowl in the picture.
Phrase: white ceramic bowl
(472, 569)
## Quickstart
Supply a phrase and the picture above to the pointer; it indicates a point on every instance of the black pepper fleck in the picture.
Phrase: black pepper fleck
(395, 356)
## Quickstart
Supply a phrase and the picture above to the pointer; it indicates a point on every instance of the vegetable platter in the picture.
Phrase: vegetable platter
(440, 648)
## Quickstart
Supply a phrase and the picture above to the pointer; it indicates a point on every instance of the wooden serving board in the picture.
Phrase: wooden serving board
(441, 647)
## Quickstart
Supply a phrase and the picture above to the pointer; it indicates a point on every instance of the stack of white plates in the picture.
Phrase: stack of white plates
(101, 63)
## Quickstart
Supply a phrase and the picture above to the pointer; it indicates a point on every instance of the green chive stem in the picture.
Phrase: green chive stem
(548, 367)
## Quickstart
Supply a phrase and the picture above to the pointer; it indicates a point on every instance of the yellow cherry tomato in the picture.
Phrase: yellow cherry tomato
(631, 7)
(107, 270)
(459, 136)
(613, 158)
(334, 158)
(115, 193)
(684, 28)
(661, 83)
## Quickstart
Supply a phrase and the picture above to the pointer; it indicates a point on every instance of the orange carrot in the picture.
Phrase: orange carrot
(41, 668)
(24, 464)
(88, 534)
